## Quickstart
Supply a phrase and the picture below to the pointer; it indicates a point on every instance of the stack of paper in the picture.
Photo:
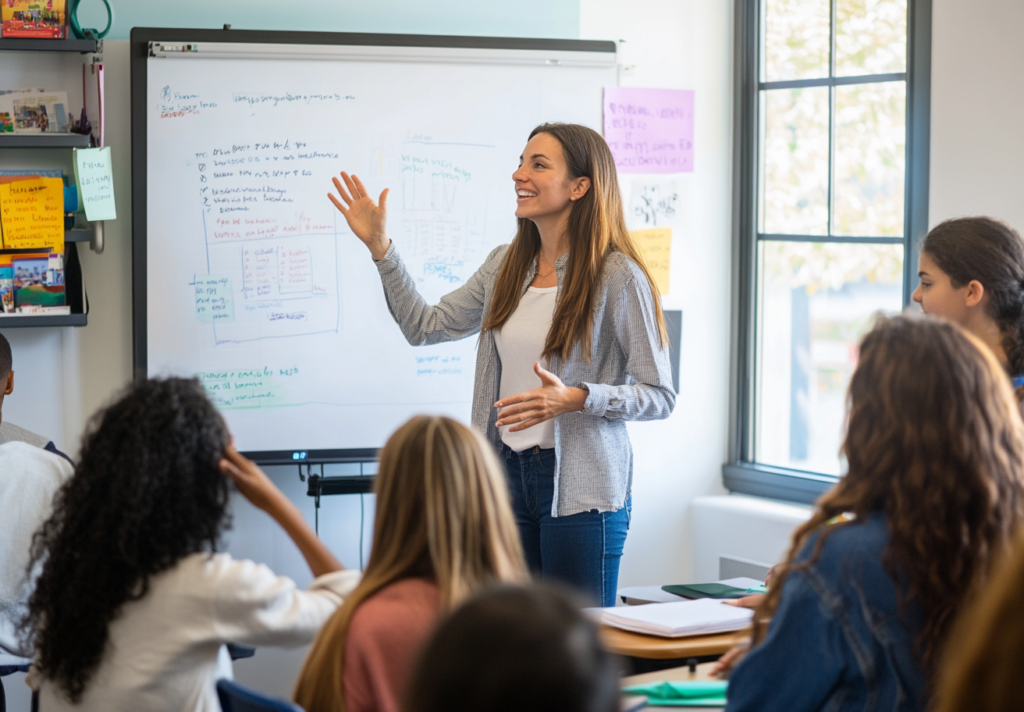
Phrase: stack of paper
(676, 620)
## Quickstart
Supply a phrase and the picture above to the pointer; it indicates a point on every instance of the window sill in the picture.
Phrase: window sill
(775, 482)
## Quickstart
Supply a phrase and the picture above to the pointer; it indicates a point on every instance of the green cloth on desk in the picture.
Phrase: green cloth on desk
(689, 693)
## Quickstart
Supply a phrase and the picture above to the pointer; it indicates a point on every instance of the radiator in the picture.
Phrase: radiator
(736, 535)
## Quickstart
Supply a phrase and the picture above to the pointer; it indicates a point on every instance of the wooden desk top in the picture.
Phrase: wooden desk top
(637, 645)
(671, 675)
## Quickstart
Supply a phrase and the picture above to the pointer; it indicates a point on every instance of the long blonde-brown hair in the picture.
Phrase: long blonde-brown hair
(935, 441)
(442, 512)
(982, 664)
(597, 227)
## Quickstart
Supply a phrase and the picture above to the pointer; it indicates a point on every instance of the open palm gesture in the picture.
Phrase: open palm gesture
(364, 218)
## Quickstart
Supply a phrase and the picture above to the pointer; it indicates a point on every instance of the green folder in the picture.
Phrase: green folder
(688, 693)
(711, 590)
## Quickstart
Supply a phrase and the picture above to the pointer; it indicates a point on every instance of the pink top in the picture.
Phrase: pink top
(384, 639)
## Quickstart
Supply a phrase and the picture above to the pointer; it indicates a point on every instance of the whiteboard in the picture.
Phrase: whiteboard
(250, 278)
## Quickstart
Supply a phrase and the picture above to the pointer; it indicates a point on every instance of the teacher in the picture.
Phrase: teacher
(572, 345)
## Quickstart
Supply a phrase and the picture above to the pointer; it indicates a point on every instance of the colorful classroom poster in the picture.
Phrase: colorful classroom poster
(95, 180)
(649, 130)
(656, 246)
(32, 214)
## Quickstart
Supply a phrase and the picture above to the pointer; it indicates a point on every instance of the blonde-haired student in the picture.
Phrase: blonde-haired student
(981, 669)
(443, 530)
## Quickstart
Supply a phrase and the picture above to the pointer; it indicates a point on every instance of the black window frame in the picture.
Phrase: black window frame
(742, 474)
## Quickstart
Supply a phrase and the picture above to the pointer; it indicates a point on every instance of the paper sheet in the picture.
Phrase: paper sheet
(32, 213)
(649, 130)
(656, 246)
(95, 180)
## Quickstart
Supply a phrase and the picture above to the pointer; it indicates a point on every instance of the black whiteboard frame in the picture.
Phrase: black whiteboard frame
(140, 39)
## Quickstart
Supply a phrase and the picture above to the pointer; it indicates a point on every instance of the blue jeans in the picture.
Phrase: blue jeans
(582, 550)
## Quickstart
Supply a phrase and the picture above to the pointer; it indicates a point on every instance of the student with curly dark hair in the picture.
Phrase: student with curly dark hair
(133, 606)
(860, 612)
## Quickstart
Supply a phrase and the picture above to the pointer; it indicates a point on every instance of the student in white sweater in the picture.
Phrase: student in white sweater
(29, 477)
(132, 609)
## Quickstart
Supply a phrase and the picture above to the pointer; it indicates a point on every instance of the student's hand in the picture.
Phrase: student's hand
(550, 400)
(752, 601)
(728, 662)
(251, 481)
(365, 219)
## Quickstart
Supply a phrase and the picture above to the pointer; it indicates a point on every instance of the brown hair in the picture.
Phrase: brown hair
(991, 252)
(597, 227)
(934, 440)
(442, 512)
(982, 666)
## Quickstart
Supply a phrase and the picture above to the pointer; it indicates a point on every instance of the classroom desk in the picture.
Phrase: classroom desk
(673, 675)
(637, 645)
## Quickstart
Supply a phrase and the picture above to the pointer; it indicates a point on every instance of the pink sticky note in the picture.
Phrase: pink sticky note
(649, 130)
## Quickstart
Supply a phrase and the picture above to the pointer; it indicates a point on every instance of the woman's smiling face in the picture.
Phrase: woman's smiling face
(543, 185)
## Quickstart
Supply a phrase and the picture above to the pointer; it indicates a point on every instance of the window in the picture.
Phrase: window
(831, 195)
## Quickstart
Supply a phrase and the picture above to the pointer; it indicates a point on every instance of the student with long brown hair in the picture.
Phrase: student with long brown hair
(972, 273)
(443, 531)
(572, 345)
(861, 610)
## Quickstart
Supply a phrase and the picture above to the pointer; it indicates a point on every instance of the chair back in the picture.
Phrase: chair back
(238, 698)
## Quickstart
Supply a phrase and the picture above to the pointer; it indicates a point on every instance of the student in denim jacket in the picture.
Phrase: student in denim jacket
(858, 615)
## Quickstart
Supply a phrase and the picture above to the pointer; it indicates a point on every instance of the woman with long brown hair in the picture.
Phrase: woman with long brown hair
(443, 531)
(572, 345)
(861, 610)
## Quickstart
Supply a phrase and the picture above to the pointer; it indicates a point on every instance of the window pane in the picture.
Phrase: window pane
(794, 161)
(870, 159)
(796, 39)
(817, 300)
(871, 37)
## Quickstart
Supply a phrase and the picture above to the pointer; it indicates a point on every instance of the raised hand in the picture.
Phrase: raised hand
(531, 407)
(365, 219)
(251, 481)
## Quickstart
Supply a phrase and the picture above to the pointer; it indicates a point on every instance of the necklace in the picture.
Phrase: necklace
(540, 261)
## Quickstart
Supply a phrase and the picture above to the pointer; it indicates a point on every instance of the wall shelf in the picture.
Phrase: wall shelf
(19, 44)
(40, 140)
(78, 234)
(24, 322)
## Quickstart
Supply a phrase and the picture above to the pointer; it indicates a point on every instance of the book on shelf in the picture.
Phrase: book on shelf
(35, 110)
(34, 19)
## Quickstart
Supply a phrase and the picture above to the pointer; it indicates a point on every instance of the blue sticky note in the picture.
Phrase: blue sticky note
(95, 180)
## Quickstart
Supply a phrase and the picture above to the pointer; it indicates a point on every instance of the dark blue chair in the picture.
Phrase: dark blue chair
(236, 698)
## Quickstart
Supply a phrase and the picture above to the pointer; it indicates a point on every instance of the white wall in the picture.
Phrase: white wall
(977, 149)
(682, 44)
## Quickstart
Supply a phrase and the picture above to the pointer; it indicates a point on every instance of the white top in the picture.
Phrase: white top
(520, 343)
(29, 477)
(166, 651)
(9, 432)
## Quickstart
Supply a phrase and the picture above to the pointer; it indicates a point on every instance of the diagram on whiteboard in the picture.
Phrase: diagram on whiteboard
(255, 283)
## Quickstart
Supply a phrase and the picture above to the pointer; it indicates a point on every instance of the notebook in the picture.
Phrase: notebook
(676, 620)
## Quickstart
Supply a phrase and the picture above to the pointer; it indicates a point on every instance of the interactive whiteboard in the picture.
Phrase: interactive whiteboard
(245, 274)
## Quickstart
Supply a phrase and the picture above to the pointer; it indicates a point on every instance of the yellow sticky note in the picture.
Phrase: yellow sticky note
(656, 247)
(32, 213)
